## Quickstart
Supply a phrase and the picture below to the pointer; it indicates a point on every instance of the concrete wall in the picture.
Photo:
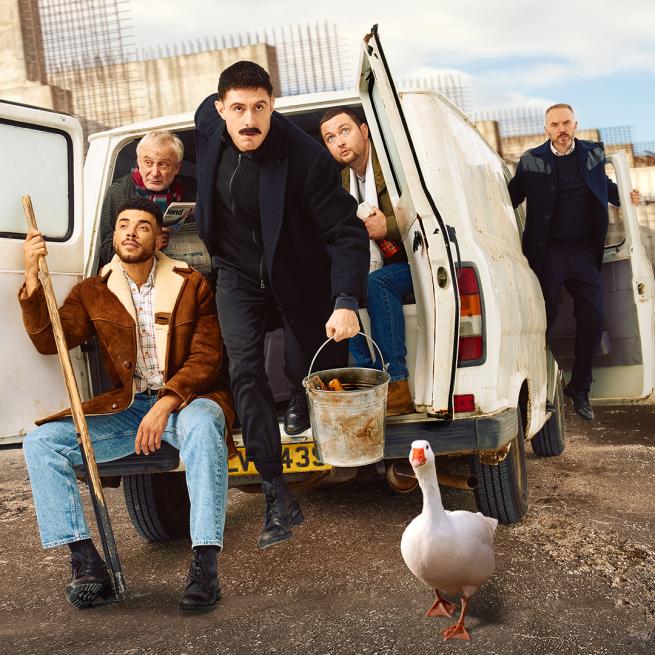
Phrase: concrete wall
(40, 95)
(13, 71)
(490, 131)
(159, 87)
(22, 66)
(178, 84)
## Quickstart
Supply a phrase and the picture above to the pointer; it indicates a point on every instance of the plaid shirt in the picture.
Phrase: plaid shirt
(146, 372)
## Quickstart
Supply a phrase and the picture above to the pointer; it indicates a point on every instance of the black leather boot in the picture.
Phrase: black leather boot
(282, 513)
(90, 579)
(580, 402)
(202, 589)
(296, 419)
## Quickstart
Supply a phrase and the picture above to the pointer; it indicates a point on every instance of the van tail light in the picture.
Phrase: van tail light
(471, 336)
(464, 403)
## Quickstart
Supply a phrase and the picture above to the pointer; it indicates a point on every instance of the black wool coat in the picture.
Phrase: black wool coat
(315, 247)
(536, 181)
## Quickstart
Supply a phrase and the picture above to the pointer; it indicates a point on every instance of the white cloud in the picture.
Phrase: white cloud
(513, 48)
(591, 36)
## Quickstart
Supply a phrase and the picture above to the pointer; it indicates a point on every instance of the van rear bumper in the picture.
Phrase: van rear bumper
(460, 436)
(464, 435)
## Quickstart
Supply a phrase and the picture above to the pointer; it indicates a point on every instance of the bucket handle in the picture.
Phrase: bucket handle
(325, 343)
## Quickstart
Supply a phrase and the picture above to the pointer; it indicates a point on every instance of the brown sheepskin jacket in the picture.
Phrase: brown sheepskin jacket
(187, 335)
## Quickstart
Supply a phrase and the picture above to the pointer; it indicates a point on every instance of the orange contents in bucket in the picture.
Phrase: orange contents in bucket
(335, 385)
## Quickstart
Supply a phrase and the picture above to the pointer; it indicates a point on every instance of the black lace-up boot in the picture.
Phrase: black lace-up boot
(202, 589)
(580, 402)
(90, 579)
(282, 513)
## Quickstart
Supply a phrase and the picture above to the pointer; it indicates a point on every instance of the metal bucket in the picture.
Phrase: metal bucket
(348, 426)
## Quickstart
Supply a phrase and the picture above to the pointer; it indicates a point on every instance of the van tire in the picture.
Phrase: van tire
(551, 439)
(158, 505)
(502, 491)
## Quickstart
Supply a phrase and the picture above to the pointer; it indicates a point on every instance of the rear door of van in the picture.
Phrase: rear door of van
(625, 364)
(41, 155)
(423, 230)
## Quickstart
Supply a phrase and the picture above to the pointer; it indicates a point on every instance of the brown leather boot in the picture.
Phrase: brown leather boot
(399, 400)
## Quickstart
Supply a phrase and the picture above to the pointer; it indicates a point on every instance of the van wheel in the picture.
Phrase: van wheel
(502, 490)
(551, 439)
(158, 505)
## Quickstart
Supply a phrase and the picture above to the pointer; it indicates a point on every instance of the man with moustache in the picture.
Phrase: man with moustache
(567, 191)
(347, 139)
(155, 176)
(284, 238)
(156, 323)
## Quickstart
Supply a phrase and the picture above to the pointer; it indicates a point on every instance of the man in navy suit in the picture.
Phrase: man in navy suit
(567, 191)
(284, 239)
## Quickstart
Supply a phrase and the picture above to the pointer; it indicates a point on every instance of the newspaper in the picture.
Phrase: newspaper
(185, 242)
(177, 213)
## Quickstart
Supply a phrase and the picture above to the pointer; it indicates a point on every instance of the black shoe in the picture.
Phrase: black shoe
(90, 581)
(202, 589)
(282, 513)
(296, 420)
(580, 402)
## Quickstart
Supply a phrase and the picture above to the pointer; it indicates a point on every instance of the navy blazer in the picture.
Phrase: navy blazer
(315, 247)
(535, 180)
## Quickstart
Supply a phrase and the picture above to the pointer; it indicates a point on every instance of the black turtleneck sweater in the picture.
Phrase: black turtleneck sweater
(237, 191)
(573, 204)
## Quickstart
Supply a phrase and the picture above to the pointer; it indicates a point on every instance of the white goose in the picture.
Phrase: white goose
(450, 551)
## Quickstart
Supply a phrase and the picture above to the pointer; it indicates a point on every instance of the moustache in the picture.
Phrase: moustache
(250, 131)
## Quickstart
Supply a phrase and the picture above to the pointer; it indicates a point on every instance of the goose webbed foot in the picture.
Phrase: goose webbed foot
(457, 630)
(441, 607)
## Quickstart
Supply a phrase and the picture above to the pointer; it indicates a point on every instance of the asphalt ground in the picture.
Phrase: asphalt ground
(576, 575)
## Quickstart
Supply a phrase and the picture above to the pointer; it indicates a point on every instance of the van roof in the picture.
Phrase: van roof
(286, 104)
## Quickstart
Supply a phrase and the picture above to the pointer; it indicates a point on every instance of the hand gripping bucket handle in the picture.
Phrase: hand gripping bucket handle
(325, 343)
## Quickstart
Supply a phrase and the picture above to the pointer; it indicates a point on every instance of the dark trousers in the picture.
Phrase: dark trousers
(244, 312)
(574, 267)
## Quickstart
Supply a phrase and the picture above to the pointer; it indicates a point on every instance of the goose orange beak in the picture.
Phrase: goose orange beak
(417, 458)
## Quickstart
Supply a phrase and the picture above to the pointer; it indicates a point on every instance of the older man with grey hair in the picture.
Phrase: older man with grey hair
(156, 177)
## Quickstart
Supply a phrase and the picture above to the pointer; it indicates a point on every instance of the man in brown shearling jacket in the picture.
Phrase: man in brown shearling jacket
(155, 319)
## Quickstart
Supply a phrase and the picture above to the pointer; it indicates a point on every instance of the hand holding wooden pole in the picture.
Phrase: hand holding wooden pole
(86, 447)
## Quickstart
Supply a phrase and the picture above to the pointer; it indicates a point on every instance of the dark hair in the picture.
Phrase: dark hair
(142, 205)
(335, 111)
(244, 75)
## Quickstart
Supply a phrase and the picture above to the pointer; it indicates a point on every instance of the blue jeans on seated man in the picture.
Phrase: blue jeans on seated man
(386, 288)
(196, 431)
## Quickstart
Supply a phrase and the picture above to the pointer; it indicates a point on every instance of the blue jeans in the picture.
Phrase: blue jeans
(196, 431)
(386, 288)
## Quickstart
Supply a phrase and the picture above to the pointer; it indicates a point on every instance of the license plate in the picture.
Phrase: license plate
(296, 458)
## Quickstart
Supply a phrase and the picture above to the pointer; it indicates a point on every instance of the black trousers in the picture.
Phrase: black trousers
(244, 312)
(574, 267)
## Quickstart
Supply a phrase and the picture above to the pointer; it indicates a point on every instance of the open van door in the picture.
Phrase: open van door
(424, 234)
(41, 155)
(625, 364)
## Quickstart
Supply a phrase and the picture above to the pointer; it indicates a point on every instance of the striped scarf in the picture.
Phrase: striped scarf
(162, 198)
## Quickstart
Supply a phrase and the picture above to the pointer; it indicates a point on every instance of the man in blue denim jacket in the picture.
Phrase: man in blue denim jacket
(346, 137)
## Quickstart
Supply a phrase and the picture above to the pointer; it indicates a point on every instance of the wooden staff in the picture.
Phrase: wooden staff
(83, 438)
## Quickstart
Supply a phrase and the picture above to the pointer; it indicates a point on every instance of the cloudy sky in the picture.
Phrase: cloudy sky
(595, 54)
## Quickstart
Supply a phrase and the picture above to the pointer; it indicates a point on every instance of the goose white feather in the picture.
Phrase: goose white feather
(449, 551)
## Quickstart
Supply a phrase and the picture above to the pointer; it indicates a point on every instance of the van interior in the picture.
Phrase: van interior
(274, 344)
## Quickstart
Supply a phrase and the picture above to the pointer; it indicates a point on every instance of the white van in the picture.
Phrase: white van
(480, 372)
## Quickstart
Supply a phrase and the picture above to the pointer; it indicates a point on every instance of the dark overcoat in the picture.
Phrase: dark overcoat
(536, 181)
(315, 247)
